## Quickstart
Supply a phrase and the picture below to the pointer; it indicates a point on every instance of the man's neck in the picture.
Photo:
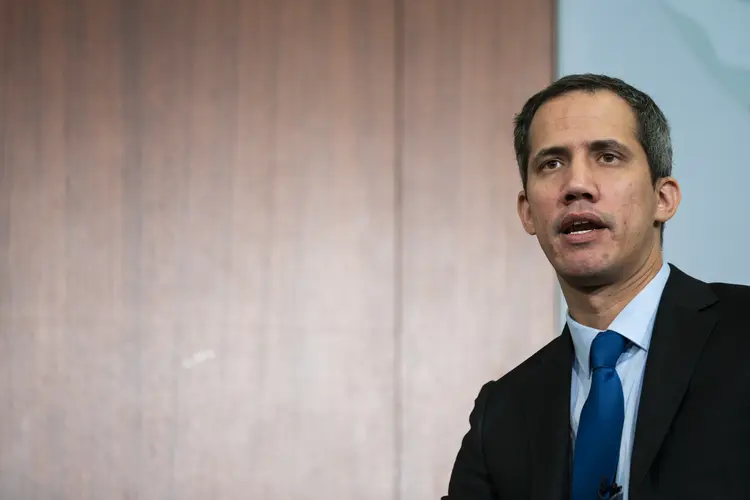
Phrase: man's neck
(598, 307)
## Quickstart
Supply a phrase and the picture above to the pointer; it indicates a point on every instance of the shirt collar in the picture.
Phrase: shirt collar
(635, 322)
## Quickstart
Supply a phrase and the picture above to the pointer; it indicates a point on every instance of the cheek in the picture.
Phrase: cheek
(636, 213)
(543, 208)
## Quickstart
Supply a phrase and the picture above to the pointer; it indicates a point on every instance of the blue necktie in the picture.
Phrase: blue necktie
(597, 447)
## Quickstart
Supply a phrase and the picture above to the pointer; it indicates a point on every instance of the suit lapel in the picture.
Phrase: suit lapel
(683, 324)
(548, 409)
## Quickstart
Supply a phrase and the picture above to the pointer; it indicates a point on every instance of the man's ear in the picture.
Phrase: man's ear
(668, 196)
(524, 213)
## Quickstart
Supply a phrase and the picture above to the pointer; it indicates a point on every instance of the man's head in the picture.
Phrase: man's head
(595, 158)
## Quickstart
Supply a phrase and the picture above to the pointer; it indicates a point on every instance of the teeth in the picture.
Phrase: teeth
(582, 231)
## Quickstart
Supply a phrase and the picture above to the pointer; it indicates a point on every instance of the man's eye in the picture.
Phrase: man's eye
(609, 158)
(550, 165)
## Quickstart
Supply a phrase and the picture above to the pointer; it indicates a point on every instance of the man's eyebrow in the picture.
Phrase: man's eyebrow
(551, 151)
(607, 144)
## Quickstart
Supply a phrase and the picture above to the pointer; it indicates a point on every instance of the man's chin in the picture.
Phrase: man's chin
(584, 274)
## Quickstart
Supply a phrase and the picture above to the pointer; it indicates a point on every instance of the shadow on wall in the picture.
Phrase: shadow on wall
(717, 33)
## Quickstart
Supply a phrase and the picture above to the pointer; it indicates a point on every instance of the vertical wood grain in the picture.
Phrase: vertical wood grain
(324, 418)
(478, 295)
(196, 249)
(259, 248)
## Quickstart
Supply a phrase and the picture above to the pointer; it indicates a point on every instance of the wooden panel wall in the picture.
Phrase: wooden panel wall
(259, 249)
(477, 291)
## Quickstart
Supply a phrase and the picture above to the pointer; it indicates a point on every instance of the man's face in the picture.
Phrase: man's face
(589, 197)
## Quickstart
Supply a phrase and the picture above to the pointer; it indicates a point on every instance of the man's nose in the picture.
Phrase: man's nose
(579, 183)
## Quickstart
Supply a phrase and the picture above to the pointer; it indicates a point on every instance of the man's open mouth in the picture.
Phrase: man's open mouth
(582, 227)
(581, 223)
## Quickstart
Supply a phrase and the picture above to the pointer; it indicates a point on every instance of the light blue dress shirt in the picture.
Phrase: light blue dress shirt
(636, 323)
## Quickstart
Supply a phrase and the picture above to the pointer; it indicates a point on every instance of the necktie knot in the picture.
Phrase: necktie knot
(606, 349)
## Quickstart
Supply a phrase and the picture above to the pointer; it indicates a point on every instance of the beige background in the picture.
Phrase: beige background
(259, 249)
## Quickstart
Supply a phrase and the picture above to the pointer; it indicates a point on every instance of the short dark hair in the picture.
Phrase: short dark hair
(652, 128)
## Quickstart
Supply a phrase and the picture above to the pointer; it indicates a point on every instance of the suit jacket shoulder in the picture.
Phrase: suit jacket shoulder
(732, 295)
(694, 400)
(534, 366)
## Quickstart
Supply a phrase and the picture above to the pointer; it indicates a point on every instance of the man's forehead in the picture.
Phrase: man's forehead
(579, 118)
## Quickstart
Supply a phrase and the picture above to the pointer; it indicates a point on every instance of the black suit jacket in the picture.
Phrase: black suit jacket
(692, 435)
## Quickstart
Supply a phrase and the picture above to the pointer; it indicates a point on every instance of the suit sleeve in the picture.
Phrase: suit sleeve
(470, 479)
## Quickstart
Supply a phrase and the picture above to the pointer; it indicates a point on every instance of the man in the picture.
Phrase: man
(646, 394)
